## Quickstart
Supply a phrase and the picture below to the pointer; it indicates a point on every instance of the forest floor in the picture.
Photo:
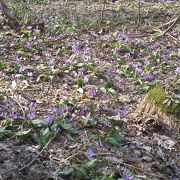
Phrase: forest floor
(70, 82)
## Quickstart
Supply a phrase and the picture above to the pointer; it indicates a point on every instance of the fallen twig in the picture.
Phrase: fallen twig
(140, 35)
(176, 21)
(168, 25)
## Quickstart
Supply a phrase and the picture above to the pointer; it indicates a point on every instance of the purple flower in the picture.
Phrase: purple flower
(14, 76)
(56, 110)
(124, 111)
(106, 123)
(130, 63)
(147, 75)
(32, 106)
(3, 114)
(82, 110)
(65, 108)
(75, 48)
(31, 115)
(178, 69)
(47, 54)
(155, 73)
(139, 70)
(146, 62)
(89, 153)
(30, 74)
(64, 92)
(139, 64)
(68, 120)
(125, 175)
(92, 92)
(67, 61)
(117, 84)
(105, 96)
(49, 119)
(13, 115)
(78, 74)
(128, 54)
(29, 27)
(116, 111)
(21, 69)
(99, 143)
(10, 103)
(105, 108)
(17, 58)
(51, 62)
(86, 88)
(111, 73)
(37, 58)
(155, 45)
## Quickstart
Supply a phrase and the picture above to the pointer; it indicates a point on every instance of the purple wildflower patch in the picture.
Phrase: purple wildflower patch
(89, 153)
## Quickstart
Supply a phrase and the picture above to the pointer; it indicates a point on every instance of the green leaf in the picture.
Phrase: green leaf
(39, 122)
(91, 163)
(95, 136)
(79, 80)
(80, 172)
(2, 66)
(87, 119)
(55, 127)
(2, 132)
(103, 90)
(112, 141)
(65, 102)
(147, 67)
(26, 32)
(59, 52)
(91, 86)
(69, 137)
(65, 126)
(118, 137)
(112, 91)
(41, 76)
(108, 178)
(36, 138)
(7, 122)
(169, 102)
(30, 69)
(23, 133)
(80, 65)
(46, 132)
(66, 171)
(46, 135)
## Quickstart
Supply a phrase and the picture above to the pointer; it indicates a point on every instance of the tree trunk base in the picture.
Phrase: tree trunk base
(154, 105)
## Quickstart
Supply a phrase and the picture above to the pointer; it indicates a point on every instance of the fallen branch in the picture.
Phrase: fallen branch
(140, 35)
(166, 25)
(169, 25)
(173, 23)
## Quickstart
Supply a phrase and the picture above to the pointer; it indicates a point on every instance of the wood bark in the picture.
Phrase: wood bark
(12, 19)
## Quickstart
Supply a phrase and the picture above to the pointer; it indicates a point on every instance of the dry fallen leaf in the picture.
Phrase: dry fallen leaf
(164, 141)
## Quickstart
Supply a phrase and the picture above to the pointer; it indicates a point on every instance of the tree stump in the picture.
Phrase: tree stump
(160, 103)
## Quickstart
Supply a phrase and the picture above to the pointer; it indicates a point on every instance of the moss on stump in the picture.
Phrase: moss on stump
(165, 108)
